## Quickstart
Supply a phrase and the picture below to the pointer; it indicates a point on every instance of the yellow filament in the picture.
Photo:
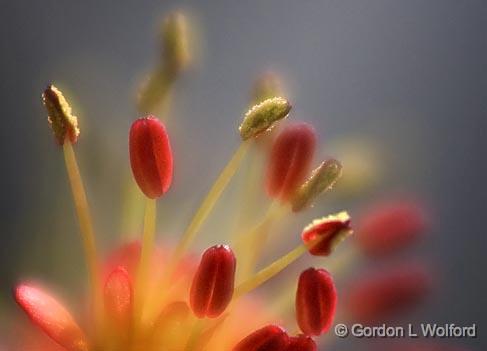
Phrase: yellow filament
(248, 195)
(254, 241)
(85, 223)
(210, 200)
(145, 256)
(192, 342)
(271, 270)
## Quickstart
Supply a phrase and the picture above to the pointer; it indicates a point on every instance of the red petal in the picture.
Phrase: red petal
(375, 298)
(268, 338)
(51, 317)
(316, 300)
(332, 230)
(151, 156)
(301, 343)
(290, 160)
(118, 296)
(213, 283)
(391, 226)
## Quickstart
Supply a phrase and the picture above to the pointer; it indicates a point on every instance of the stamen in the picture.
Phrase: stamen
(256, 121)
(332, 229)
(263, 116)
(212, 287)
(316, 300)
(151, 156)
(60, 117)
(152, 165)
(322, 179)
(175, 57)
(65, 127)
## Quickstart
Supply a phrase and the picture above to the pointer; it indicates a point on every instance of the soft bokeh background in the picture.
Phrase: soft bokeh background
(404, 77)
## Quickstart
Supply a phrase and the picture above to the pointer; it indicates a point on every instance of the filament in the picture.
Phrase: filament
(271, 270)
(85, 223)
(253, 242)
(210, 200)
(145, 256)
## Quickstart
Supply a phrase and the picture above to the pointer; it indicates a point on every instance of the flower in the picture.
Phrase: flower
(144, 296)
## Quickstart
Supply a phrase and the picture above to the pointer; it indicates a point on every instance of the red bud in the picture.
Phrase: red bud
(49, 315)
(268, 338)
(290, 160)
(151, 156)
(213, 283)
(331, 230)
(375, 298)
(301, 343)
(316, 300)
(389, 227)
(118, 295)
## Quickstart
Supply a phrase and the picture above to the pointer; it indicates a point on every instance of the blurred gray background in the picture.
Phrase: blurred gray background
(409, 75)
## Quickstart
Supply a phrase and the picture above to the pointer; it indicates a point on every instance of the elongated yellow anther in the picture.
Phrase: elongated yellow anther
(60, 117)
(175, 41)
(175, 58)
(322, 179)
(262, 117)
